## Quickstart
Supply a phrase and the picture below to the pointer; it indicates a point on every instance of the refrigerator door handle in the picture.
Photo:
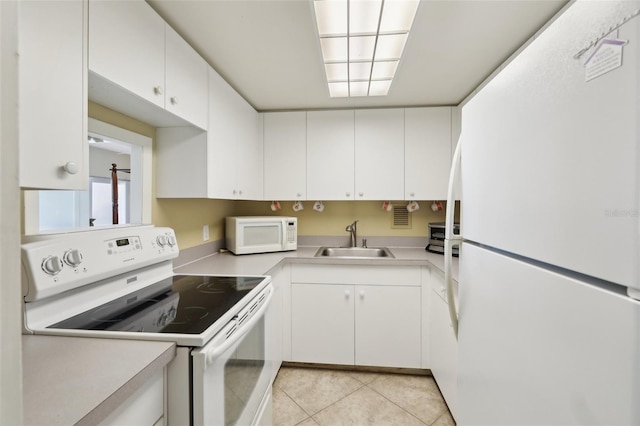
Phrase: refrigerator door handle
(452, 239)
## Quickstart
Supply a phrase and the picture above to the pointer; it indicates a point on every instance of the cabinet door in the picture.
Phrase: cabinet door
(388, 326)
(322, 323)
(427, 153)
(250, 154)
(330, 155)
(186, 80)
(53, 94)
(379, 150)
(127, 41)
(285, 156)
(444, 347)
(222, 160)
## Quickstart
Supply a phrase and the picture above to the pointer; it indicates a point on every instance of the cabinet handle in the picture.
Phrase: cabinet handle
(361, 194)
(361, 294)
(412, 194)
(235, 192)
(299, 195)
(174, 100)
(240, 192)
(157, 90)
(347, 294)
(71, 168)
(348, 194)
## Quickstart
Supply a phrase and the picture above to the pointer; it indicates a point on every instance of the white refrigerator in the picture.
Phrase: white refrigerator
(549, 317)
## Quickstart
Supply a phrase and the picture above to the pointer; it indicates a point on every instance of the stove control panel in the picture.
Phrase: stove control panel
(56, 263)
(123, 245)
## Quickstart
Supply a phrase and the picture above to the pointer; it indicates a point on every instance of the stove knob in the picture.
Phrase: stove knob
(52, 265)
(172, 314)
(162, 321)
(73, 257)
(171, 240)
(161, 240)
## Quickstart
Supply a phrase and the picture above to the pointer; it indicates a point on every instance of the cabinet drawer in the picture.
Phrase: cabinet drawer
(144, 407)
(350, 274)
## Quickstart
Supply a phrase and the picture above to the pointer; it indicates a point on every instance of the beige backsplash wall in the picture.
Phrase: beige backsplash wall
(373, 221)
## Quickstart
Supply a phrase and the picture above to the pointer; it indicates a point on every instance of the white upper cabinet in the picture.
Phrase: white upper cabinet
(330, 155)
(250, 165)
(427, 153)
(126, 45)
(223, 122)
(379, 154)
(235, 144)
(224, 162)
(53, 94)
(132, 47)
(285, 156)
(186, 80)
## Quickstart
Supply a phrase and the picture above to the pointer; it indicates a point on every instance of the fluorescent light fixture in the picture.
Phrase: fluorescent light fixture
(362, 42)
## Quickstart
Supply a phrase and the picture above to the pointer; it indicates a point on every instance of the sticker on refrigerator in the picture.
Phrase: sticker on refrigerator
(606, 56)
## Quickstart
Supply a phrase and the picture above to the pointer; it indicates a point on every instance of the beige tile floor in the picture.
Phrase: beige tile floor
(311, 396)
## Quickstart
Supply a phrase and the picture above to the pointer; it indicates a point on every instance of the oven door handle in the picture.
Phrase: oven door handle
(241, 331)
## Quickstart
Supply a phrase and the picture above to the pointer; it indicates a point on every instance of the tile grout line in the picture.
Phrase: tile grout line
(402, 408)
(296, 402)
(362, 385)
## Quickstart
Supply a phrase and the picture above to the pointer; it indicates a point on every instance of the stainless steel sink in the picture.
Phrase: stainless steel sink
(354, 252)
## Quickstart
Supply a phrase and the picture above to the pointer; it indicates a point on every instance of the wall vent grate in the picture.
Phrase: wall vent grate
(401, 217)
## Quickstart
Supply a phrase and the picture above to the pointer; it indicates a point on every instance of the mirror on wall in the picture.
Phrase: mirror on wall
(117, 158)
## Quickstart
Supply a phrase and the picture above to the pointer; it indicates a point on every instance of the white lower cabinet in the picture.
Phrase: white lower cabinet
(322, 323)
(387, 326)
(144, 407)
(274, 319)
(443, 344)
(356, 315)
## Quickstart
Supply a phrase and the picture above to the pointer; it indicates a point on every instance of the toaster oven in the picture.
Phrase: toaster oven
(436, 238)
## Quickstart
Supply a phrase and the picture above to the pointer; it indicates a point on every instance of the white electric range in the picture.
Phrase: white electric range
(119, 283)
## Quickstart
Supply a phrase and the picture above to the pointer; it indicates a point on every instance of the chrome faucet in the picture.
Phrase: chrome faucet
(352, 228)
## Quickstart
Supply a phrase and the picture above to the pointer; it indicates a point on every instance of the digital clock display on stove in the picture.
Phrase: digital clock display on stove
(122, 242)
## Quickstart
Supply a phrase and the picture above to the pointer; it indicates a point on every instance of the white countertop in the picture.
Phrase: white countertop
(260, 264)
(76, 380)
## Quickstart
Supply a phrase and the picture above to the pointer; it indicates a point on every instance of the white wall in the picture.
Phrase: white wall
(10, 290)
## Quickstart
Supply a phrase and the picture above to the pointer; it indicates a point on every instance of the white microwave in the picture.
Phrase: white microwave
(261, 234)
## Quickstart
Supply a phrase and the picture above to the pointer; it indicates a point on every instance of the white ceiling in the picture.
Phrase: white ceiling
(268, 50)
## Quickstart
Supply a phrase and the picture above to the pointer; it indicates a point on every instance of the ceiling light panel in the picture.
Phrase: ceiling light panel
(364, 16)
(390, 46)
(379, 88)
(362, 42)
(334, 49)
(398, 15)
(331, 17)
(359, 71)
(358, 88)
(337, 72)
(361, 48)
(339, 90)
(384, 70)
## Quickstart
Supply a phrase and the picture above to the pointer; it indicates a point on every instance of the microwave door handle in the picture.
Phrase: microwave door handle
(284, 235)
(243, 329)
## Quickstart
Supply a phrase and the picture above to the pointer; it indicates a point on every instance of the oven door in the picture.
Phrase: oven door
(231, 376)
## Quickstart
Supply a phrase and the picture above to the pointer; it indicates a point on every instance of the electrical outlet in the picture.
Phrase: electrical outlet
(205, 232)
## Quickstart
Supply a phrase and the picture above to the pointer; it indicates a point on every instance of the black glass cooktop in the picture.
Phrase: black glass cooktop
(184, 304)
